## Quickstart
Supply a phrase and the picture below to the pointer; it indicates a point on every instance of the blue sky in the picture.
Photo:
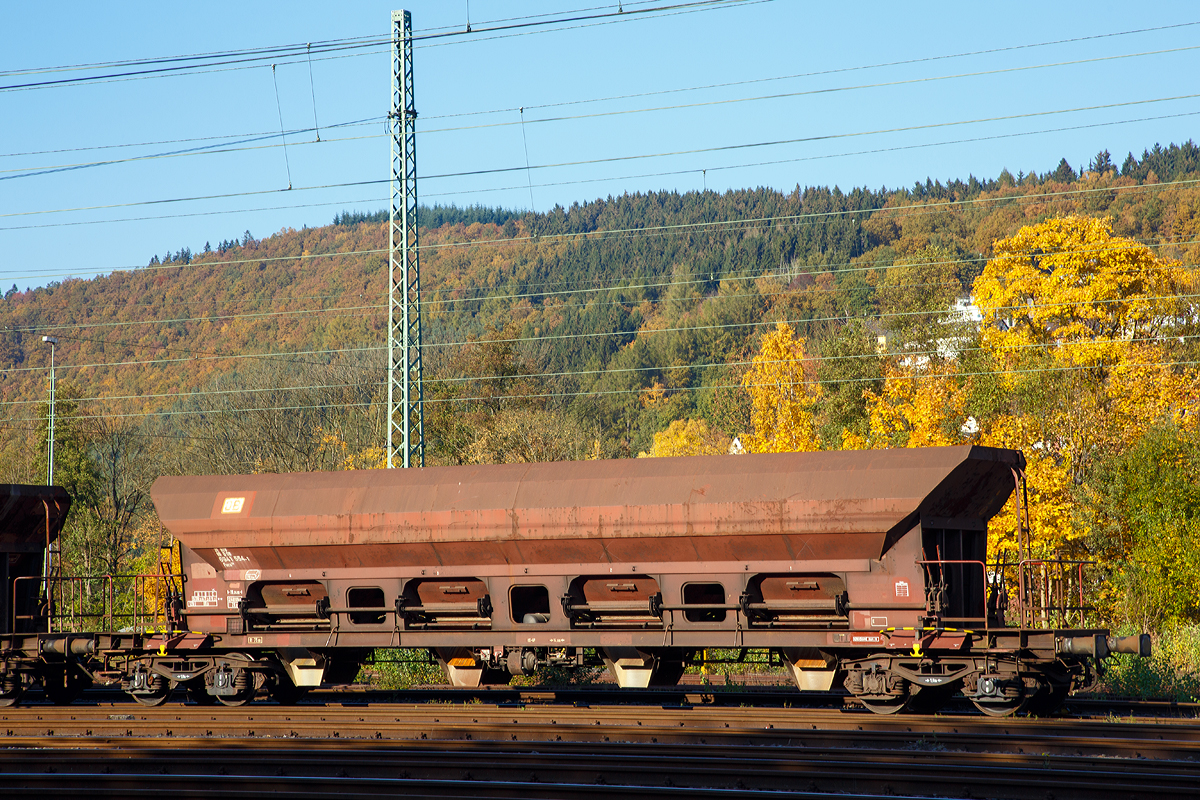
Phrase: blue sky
(875, 94)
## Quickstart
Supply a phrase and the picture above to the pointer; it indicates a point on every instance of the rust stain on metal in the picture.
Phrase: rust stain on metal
(850, 504)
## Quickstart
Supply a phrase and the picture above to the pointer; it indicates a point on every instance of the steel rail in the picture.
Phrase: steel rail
(762, 690)
(724, 725)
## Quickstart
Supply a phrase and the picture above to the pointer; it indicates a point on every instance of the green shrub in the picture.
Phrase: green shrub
(404, 669)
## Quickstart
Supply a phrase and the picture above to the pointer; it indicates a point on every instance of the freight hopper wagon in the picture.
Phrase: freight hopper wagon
(865, 570)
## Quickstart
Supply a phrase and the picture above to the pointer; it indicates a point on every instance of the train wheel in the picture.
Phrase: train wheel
(147, 688)
(236, 683)
(155, 698)
(999, 695)
(12, 689)
(1000, 708)
(245, 690)
(235, 700)
(886, 705)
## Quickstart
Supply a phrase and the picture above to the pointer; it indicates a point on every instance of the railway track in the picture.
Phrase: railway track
(586, 750)
(721, 725)
(686, 694)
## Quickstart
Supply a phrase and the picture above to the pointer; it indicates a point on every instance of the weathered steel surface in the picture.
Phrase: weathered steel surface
(792, 506)
(23, 515)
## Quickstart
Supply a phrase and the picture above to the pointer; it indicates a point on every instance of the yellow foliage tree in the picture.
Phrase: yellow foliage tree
(917, 408)
(1089, 315)
(1071, 286)
(691, 437)
(783, 390)
(334, 445)
(1099, 306)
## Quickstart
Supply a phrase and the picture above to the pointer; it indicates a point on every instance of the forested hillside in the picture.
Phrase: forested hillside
(586, 331)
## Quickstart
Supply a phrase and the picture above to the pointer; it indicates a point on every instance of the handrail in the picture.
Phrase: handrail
(70, 601)
(1027, 610)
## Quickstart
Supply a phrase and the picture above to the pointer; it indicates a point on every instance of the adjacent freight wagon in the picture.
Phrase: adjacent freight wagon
(865, 570)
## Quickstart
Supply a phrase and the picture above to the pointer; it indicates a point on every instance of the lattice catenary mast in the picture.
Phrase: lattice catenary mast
(406, 421)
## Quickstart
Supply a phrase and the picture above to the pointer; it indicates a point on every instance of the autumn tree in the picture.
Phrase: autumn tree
(1095, 314)
(487, 405)
(691, 437)
(783, 392)
(916, 297)
(1084, 328)
(1149, 497)
(125, 459)
(919, 406)
(1051, 518)
(284, 415)
(851, 366)
(526, 435)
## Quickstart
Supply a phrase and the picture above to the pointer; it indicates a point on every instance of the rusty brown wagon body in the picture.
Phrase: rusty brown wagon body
(759, 508)
(821, 557)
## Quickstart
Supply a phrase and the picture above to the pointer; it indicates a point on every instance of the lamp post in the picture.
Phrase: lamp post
(52, 341)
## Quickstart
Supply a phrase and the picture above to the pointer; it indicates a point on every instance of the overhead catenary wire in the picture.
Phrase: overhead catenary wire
(274, 50)
(147, 68)
(257, 60)
(192, 152)
(599, 180)
(609, 392)
(281, 50)
(605, 160)
(222, 139)
(820, 73)
(761, 323)
(355, 309)
(635, 95)
(938, 206)
(806, 92)
(810, 269)
(906, 354)
(370, 49)
(560, 183)
(614, 178)
(288, 357)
